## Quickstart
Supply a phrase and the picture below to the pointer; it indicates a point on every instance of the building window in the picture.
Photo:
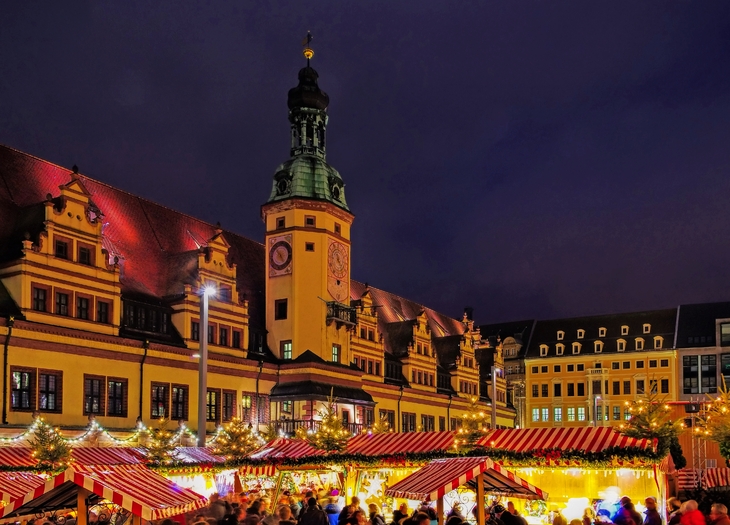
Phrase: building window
(581, 333)
(598, 347)
(236, 343)
(576, 348)
(280, 309)
(535, 369)
(621, 345)
(707, 379)
(624, 330)
(616, 388)
(223, 336)
(211, 334)
(544, 369)
(627, 388)
(639, 343)
(535, 390)
(338, 228)
(442, 422)
(557, 414)
(179, 405)
(389, 416)
(535, 415)
(102, 312)
(229, 405)
(336, 349)
(61, 303)
(225, 293)
(39, 299)
(427, 423)
(116, 406)
(627, 414)
(61, 249)
(82, 307)
(545, 414)
(559, 349)
(308, 246)
(725, 334)
(599, 413)
(93, 395)
(626, 365)
(556, 368)
(557, 390)
(49, 392)
(571, 389)
(280, 223)
(653, 386)
(640, 364)
(286, 407)
(570, 368)
(21, 390)
(158, 400)
(544, 390)
(581, 413)
(212, 406)
(310, 220)
(664, 363)
(195, 331)
(84, 255)
(571, 413)
(665, 386)
(543, 350)
(658, 342)
(580, 367)
(615, 365)
(639, 386)
(409, 422)
(286, 350)
(646, 328)
(602, 332)
(652, 363)
(561, 335)
(581, 389)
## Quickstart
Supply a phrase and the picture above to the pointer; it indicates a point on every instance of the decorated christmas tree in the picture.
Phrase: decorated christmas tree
(236, 439)
(714, 425)
(331, 435)
(159, 446)
(474, 426)
(651, 418)
(50, 450)
(382, 426)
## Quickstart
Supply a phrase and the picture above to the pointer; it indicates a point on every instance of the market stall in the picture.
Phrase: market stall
(117, 490)
(443, 476)
(13, 485)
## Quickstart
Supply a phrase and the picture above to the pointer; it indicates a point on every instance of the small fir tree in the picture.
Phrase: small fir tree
(236, 439)
(50, 450)
(331, 435)
(651, 418)
(382, 426)
(474, 426)
(714, 425)
(269, 433)
(159, 446)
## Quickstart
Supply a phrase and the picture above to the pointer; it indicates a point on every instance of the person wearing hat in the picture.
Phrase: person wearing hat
(652, 514)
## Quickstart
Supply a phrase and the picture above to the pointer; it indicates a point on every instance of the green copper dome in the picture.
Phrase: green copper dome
(308, 177)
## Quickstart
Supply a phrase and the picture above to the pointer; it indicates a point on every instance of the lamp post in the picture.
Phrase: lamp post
(206, 292)
(595, 408)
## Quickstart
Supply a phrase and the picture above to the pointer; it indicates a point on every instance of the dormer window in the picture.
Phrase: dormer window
(559, 348)
(646, 328)
(624, 330)
(543, 350)
(658, 341)
(621, 345)
(561, 335)
(576, 348)
(602, 332)
(581, 333)
(598, 347)
(639, 343)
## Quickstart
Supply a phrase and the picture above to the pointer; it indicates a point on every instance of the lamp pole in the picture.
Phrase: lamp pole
(203, 364)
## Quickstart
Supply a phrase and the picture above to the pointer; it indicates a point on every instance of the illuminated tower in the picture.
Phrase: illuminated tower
(308, 237)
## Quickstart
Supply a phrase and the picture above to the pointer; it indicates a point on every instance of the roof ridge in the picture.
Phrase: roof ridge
(619, 314)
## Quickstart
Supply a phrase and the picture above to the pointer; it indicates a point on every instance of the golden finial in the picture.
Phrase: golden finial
(308, 51)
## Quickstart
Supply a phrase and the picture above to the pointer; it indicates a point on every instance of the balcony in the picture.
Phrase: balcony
(290, 426)
(341, 314)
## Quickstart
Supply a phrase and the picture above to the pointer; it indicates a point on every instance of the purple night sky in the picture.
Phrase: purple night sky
(525, 158)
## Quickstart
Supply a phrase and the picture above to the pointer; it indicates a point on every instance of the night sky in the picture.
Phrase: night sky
(529, 159)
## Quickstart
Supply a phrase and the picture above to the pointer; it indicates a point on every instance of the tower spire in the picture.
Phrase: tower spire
(308, 51)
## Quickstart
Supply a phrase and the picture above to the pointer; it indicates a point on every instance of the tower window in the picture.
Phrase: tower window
(280, 309)
(309, 247)
(280, 223)
(286, 351)
(336, 350)
(310, 220)
(338, 228)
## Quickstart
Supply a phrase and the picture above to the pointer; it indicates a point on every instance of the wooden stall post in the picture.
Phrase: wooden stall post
(480, 500)
(82, 512)
(440, 510)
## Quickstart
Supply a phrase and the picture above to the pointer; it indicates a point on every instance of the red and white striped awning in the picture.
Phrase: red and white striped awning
(716, 477)
(133, 487)
(16, 457)
(197, 455)
(106, 456)
(257, 470)
(441, 476)
(286, 448)
(586, 439)
(13, 485)
(399, 443)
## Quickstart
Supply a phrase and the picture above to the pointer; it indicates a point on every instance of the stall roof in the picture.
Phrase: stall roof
(286, 448)
(444, 475)
(13, 485)
(132, 487)
(399, 443)
(587, 439)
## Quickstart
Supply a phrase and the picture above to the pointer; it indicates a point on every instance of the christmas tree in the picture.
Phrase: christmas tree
(651, 418)
(159, 447)
(714, 425)
(331, 435)
(474, 426)
(50, 450)
(382, 426)
(236, 439)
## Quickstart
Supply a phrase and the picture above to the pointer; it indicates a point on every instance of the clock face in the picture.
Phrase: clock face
(337, 260)
(280, 255)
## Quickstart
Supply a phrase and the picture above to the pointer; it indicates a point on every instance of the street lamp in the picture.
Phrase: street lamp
(205, 293)
(595, 409)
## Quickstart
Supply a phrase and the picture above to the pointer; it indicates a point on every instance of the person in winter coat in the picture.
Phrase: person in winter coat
(313, 515)
(332, 510)
(375, 517)
(626, 514)
(718, 515)
(690, 514)
(652, 514)
(400, 515)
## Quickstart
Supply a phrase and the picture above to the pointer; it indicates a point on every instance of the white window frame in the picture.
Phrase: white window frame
(559, 349)
(639, 343)
(658, 342)
(543, 350)
(581, 333)
(646, 328)
(621, 345)
(598, 347)
(624, 330)
(561, 335)
(576, 348)
(602, 332)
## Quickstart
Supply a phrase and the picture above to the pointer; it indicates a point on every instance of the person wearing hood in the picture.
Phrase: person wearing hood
(652, 514)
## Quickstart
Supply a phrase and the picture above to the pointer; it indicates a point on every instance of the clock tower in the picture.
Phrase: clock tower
(308, 237)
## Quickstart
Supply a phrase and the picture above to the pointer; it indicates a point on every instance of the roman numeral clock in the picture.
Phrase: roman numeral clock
(279, 255)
